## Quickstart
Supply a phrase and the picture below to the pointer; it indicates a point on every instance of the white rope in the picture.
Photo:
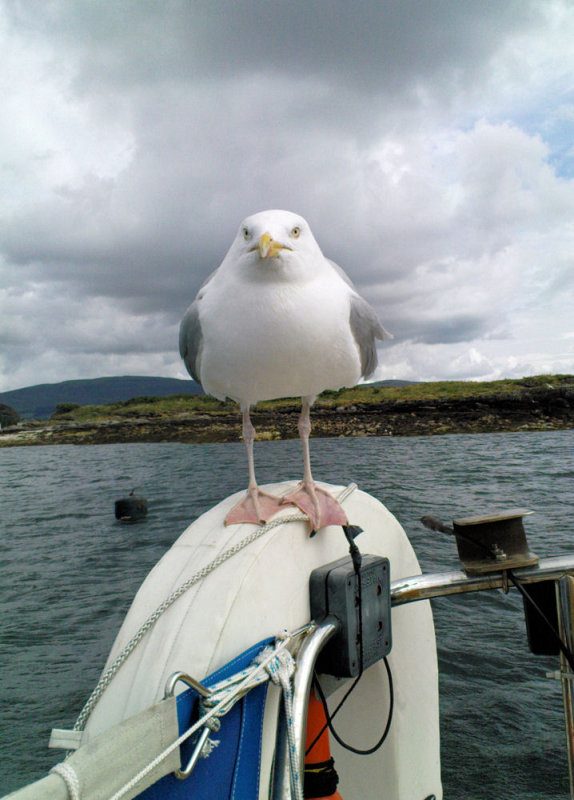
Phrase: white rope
(110, 672)
(68, 775)
(281, 671)
(236, 687)
(252, 679)
(232, 689)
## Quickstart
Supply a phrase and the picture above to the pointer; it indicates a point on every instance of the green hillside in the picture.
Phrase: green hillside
(417, 393)
(541, 403)
(39, 402)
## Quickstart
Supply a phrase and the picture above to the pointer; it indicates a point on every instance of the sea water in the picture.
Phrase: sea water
(68, 573)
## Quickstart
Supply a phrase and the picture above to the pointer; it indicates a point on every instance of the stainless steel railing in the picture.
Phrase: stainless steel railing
(442, 584)
(559, 569)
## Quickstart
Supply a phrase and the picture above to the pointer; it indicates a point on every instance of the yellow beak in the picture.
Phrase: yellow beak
(268, 247)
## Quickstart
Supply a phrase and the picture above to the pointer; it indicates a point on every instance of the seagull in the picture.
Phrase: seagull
(278, 319)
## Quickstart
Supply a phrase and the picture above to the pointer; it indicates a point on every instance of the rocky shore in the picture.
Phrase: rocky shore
(539, 410)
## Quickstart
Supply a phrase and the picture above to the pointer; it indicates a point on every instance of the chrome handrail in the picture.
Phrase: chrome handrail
(307, 656)
(306, 661)
(442, 584)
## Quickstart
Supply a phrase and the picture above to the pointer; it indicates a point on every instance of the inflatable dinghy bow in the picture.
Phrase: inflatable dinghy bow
(273, 662)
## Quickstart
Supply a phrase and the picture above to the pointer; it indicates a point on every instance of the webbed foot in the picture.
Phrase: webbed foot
(320, 506)
(257, 507)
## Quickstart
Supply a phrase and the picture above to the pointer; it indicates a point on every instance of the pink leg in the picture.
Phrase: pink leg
(321, 507)
(256, 506)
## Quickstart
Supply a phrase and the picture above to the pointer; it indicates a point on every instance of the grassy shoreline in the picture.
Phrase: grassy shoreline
(543, 402)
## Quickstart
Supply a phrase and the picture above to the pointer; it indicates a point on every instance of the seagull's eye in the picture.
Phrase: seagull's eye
(295, 232)
(246, 234)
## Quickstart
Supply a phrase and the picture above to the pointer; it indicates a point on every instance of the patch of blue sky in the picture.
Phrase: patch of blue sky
(553, 120)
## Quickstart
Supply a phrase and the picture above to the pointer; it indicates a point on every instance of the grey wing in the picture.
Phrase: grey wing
(366, 328)
(191, 340)
(191, 336)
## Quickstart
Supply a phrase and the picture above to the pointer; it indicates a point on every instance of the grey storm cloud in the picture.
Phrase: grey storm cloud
(457, 328)
(425, 142)
(368, 46)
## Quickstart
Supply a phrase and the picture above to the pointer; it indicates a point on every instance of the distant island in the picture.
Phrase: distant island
(40, 401)
(540, 403)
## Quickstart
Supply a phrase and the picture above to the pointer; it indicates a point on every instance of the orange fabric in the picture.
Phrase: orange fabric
(321, 751)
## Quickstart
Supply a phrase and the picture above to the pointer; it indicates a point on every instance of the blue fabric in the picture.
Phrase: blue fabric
(231, 772)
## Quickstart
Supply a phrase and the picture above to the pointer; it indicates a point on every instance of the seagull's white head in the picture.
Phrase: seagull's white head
(273, 240)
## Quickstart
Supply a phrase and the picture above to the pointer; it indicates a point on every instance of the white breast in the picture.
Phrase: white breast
(281, 340)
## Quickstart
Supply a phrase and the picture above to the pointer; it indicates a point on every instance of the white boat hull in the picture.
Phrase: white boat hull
(263, 590)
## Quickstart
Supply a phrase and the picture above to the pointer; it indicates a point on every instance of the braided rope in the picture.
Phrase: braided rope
(281, 670)
(227, 688)
(111, 671)
(68, 775)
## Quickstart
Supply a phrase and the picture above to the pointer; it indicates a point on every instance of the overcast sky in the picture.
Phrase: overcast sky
(429, 144)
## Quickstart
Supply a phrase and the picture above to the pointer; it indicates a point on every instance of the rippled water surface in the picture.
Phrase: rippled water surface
(68, 573)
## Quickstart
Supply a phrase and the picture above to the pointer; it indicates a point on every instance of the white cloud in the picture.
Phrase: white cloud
(431, 153)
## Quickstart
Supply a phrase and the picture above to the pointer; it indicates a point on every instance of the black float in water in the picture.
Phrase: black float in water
(132, 508)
